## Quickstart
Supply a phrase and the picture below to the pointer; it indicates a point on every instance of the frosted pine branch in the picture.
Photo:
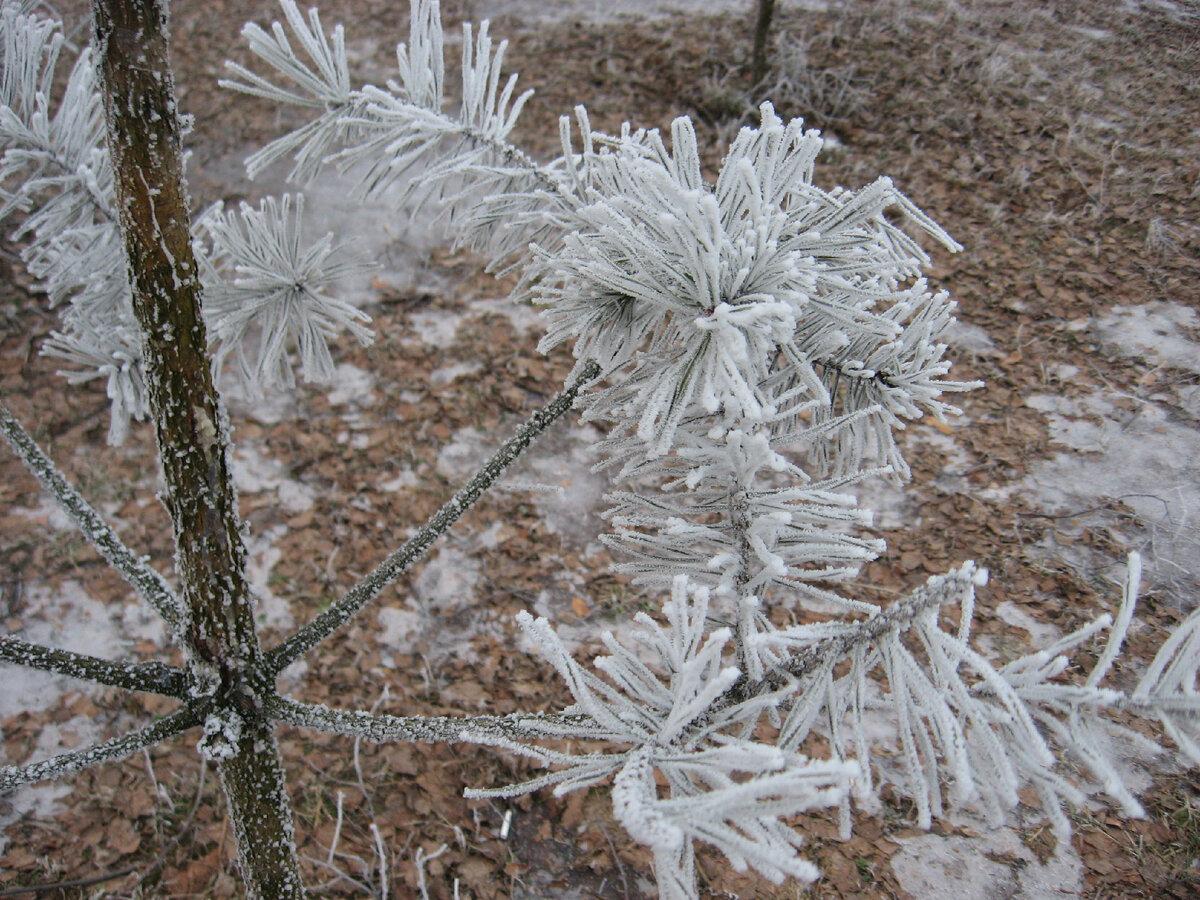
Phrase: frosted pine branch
(380, 728)
(56, 182)
(400, 560)
(149, 584)
(722, 519)
(151, 677)
(747, 298)
(731, 794)
(1170, 689)
(760, 341)
(118, 748)
(266, 292)
(324, 87)
(961, 724)
(396, 131)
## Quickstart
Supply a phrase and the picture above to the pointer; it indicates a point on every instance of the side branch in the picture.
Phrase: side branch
(399, 561)
(118, 748)
(144, 579)
(151, 677)
(424, 729)
(897, 617)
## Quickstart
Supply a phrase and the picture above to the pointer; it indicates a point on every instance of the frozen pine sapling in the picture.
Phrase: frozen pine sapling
(749, 346)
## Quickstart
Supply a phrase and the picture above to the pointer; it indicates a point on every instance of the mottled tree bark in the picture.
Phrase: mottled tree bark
(225, 659)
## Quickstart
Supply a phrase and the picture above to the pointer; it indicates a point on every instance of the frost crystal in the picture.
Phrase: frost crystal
(266, 292)
(222, 731)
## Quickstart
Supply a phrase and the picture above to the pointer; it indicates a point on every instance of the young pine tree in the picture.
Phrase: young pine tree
(749, 346)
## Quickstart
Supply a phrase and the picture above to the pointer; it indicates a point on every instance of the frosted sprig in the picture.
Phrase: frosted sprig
(267, 292)
(1170, 689)
(464, 161)
(41, 146)
(965, 731)
(738, 516)
(56, 182)
(318, 80)
(703, 292)
(112, 352)
(733, 795)
(400, 130)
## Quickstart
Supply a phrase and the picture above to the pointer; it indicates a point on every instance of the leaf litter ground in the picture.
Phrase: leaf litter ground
(1054, 141)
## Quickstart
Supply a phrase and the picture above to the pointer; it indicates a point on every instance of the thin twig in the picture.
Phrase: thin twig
(1106, 506)
(420, 858)
(183, 829)
(144, 579)
(399, 561)
(63, 885)
(150, 677)
(422, 729)
(118, 748)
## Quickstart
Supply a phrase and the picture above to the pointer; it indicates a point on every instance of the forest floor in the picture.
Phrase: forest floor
(1056, 141)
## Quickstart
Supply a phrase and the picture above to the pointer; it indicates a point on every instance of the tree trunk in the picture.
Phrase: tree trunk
(224, 655)
(762, 30)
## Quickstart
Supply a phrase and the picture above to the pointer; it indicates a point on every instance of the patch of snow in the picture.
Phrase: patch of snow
(400, 626)
(254, 473)
(275, 406)
(556, 472)
(1164, 332)
(525, 317)
(1189, 399)
(934, 867)
(1095, 34)
(41, 800)
(37, 800)
(1146, 459)
(447, 374)
(357, 441)
(1079, 424)
(971, 338)
(1063, 371)
(67, 617)
(892, 505)
(1179, 11)
(448, 580)
(441, 616)
(1041, 634)
(467, 450)
(47, 511)
(438, 328)
(351, 384)
(405, 478)
(261, 556)
(493, 536)
(564, 457)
